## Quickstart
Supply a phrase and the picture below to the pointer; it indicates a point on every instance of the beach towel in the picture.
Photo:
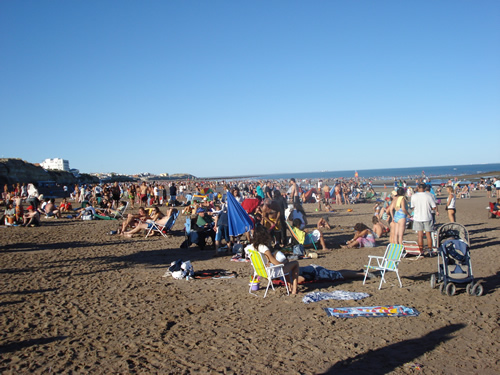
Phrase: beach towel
(371, 311)
(217, 274)
(336, 294)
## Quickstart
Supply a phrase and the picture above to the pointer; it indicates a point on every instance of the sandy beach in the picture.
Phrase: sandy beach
(75, 299)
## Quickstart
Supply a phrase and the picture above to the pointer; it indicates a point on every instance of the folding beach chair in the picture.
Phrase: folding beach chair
(389, 262)
(119, 214)
(268, 272)
(163, 229)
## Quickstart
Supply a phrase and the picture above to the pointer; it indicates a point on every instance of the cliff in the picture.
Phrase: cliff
(16, 170)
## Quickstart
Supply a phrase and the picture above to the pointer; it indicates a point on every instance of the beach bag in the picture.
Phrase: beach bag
(298, 250)
(88, 216)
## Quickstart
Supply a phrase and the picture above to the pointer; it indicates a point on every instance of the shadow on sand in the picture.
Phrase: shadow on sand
(388, 358)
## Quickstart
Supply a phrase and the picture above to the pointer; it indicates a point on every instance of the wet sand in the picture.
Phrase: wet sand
(75, 299)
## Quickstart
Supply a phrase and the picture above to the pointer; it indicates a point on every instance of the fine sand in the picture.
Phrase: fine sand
(75, 299)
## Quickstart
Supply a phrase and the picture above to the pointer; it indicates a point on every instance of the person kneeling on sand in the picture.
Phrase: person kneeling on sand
(262, 242)
(363, 237)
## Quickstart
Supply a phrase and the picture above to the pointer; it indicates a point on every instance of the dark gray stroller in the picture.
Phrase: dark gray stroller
(454, 265)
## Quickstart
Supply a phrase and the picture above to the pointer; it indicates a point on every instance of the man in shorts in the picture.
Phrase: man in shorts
(423, 205)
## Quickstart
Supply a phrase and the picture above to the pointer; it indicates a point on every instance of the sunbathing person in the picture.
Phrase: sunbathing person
(318, 273)
(262, 242)
(134, 219)
(31, 218)
(363, 237)
(144, 225)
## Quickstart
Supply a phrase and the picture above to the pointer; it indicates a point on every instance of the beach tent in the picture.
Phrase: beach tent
(239, 221)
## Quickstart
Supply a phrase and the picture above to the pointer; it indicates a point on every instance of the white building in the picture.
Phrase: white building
(56, 163)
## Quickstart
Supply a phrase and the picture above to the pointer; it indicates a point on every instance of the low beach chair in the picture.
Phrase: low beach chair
(412, 248)
(270, 272)
(163, 229)
(119, 214)
(491, 208)
(389, 262)
(309, 235)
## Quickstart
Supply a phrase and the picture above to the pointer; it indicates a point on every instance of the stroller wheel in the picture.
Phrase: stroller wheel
(469, 288)
(433, 281)
(450, 289)
(477, 290)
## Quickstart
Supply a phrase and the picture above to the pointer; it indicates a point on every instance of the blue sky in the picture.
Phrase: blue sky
(217, 88)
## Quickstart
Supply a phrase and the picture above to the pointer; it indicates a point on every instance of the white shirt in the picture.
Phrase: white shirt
(423, 204)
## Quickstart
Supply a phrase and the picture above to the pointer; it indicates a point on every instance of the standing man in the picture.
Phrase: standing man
(423, 205)
(294, 191)
(173, 194)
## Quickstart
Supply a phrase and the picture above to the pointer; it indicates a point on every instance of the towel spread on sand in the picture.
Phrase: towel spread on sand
(337, 295)
(371, 311)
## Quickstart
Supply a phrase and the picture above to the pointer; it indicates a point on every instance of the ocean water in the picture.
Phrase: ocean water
(391, 173)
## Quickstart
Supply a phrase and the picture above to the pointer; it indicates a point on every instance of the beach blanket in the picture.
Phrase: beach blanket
(371, 311)
(336, 294)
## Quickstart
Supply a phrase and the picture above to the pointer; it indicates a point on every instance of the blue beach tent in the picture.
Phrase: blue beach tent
(239, 221)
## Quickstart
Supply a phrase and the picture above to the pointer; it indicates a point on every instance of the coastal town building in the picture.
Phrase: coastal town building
(55, 164)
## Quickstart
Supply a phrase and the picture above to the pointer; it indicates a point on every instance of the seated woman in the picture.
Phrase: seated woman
(363, 237)
(65, 207)
(262, 242)
(10, 214)
(31, 218)
(379, 229)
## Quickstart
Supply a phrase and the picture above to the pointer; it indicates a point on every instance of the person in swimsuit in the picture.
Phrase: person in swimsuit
(399, 212)
(363, 237)
(450, 204)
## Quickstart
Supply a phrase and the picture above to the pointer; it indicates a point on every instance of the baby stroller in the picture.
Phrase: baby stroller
(454, 265)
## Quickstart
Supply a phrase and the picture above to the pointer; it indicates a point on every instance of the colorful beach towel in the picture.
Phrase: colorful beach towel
(337, 295)
(371, 311)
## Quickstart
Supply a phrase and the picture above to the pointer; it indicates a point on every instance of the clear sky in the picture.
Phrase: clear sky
(230, 87)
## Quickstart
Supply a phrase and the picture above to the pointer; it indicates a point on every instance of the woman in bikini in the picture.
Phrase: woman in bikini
(450, 204)
(399, 212)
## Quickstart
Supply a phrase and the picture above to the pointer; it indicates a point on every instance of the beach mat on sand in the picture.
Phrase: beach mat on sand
(371, 311)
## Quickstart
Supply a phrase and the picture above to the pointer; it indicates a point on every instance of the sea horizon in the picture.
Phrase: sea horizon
(382, 173)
